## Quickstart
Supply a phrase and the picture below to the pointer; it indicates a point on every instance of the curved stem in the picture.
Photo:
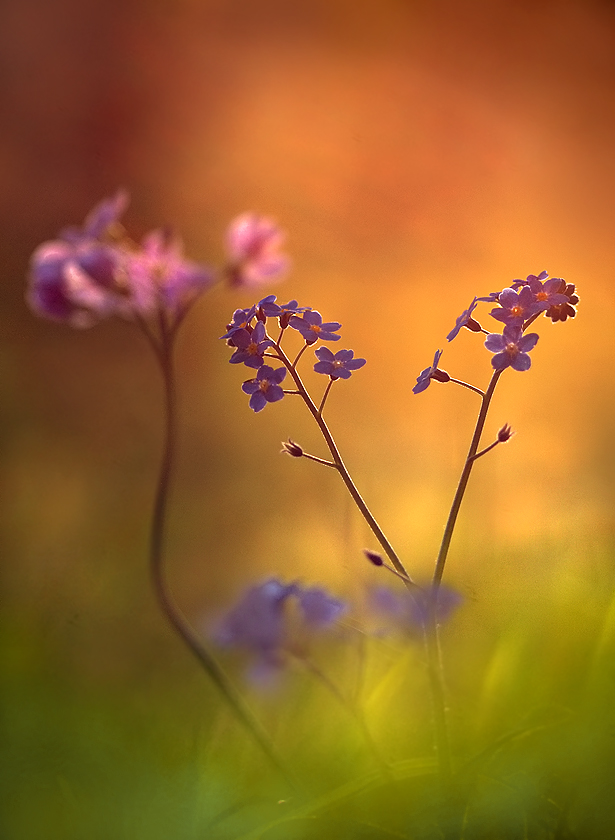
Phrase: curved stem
(165, 599)
(341, 467)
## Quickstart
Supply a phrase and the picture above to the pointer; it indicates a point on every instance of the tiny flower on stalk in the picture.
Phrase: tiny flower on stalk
(253, 245)
(424, 378)
(241, 321)
(251, 346)
(465, 320)
(265, 387)
(289, 447)
(311, 327)
(338, 366)
(511, 348)
(516, 307)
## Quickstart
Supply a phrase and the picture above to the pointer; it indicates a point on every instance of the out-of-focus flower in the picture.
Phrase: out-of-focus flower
(561, 311)
(311, 327)
(253, 245)
(265, 387)
(516, 307)
(161, 279)
(338, 366)
(263, 624)
(408, 611)
(76, 278)
(511, 348)
(424, 378)
(465, 320)
(251, 345)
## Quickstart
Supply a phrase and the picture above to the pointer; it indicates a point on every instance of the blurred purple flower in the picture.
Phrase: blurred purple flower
(262, 624)
(251, 345)
(516, 307)
(511, 348)
(160, 279)
(265, 387)
(424, 378)
(311, 327)
(253, 245)
(76, 278)
(465, 320)
(409, 611)
(338, 366)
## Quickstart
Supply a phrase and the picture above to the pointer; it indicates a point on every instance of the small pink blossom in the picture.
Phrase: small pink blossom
(253, 245)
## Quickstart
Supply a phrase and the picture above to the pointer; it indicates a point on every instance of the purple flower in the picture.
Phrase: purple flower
(424, 378)
(265, 387)
(511, 348)
(160, 279)
(546, 293)
(465, 320)
(253, 245)
(311, 327)
(338, 366)
(559, 312)
(251, 345)
(516, 307)
(407, 611)
(76, 278)
(262, 624)
(241, 321)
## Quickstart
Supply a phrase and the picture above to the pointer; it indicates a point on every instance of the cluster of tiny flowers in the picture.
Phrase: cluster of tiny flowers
(274, 620)
(252, 345)
(517, 306)
(94, 271)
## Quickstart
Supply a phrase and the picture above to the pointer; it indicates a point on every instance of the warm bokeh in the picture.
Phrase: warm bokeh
(416, 154)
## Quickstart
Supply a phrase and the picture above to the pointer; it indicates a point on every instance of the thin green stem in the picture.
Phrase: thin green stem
(157, 539)
(341, 467)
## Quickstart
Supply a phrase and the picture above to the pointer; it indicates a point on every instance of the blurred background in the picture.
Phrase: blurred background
(416, 154)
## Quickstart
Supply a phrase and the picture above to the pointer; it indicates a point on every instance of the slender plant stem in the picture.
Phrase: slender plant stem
(468, 386)
(341, 467)
(157, 538)
(463, 480)
(432, 637)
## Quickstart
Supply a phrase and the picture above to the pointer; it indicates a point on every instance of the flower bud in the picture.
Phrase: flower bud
(292, 448)
(373, 557)
(505, 433)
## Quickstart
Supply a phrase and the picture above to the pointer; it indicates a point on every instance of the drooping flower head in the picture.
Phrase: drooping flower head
(253, 245)
(465, 320)
(338, 366)
(424, 378)
(265, 387)
(511, 348)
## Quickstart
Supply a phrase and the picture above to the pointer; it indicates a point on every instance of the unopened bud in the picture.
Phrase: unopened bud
(473, 325)
(440, 375)
(505, 433)
(373, 557)
(292, 448)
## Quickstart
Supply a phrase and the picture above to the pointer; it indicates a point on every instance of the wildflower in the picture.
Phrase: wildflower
(241, 321)
(465, 320)
(516, 307)
(75, 278)
(565, 309)
(338, 366)
(265, 387)
(409, 611)
(289, 447)
(311, 327)
(547, 293)
(160, 279)
(263, 623)
(253, 244)
(433, 372)
(511, 348)
(283, 311)
(251, 346)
